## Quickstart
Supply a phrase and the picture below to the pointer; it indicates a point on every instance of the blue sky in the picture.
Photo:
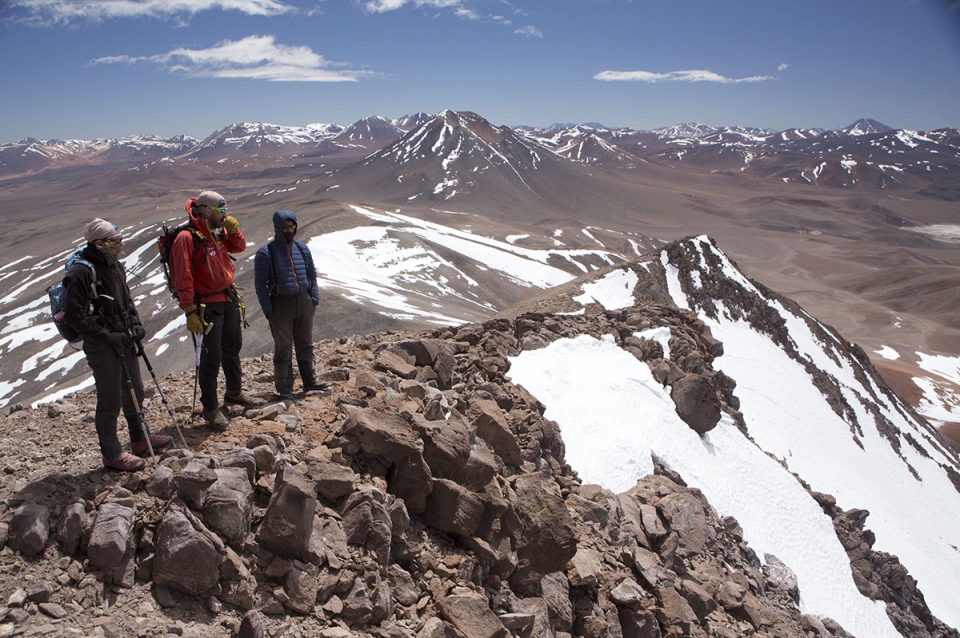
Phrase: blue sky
(83, 69)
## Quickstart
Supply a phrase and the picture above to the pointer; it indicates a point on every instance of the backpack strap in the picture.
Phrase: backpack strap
(94, 283)
(197, 245)
(273, 271)
(197, 239)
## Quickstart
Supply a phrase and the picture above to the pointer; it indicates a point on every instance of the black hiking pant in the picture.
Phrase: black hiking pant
(220, 348)
(291, 324)
(113, 394)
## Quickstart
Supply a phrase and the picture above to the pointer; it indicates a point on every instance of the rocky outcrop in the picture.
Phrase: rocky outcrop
(424, 495)
(879, 575)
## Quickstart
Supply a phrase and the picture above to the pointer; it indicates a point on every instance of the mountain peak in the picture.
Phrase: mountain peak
(687, 130)
(412, 121)
(866, 126)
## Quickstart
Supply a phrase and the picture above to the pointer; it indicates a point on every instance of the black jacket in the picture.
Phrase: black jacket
(113, 307)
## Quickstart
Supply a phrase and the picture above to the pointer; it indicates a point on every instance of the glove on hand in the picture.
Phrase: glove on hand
(138, 333)
(194, 322)
(231, 225)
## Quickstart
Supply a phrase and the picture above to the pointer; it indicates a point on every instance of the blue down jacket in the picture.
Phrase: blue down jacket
(280, 268)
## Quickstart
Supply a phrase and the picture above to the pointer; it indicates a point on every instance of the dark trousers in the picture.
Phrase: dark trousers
(113, 394)
(291, 324)
(221, 348)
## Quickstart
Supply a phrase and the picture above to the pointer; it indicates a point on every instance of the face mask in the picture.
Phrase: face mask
(111, 251)
(288, 235)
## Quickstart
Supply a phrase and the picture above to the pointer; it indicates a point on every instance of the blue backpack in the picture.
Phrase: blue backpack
(58, 293)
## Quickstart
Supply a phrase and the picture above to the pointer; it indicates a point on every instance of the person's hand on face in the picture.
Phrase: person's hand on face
(213, 216)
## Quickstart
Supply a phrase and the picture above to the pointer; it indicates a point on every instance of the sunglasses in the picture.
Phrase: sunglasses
(222, 208)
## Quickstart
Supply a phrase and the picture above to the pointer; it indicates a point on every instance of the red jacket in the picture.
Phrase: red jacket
(207, 275)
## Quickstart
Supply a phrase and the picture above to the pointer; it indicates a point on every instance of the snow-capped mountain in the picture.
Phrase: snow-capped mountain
(463, 146)
(584, 144)
(371, 133)
(810, 416)
(408, 122)
(865, 154)
(685, 131)
(459, 159)
(865, 126)
(254, 137)
(31, 155)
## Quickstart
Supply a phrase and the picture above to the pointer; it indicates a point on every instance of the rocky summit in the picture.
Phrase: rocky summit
(424, 494)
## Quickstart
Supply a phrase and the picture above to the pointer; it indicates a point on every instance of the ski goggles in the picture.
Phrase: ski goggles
(221, 207)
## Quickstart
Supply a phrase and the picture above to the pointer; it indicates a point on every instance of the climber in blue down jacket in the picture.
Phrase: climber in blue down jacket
(286, 284)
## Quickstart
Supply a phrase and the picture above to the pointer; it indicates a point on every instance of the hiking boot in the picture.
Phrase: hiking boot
(216, 419)
(158, 441)
(237, 398)
(126, 462)
(282, 396)
(318, 386)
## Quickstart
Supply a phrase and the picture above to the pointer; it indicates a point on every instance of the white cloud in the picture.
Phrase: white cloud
(253, 57)
(459, 8)
(466, 14)
(382, 6)
(696, 75)
(531, 31)
(65, 11)
(783, 67)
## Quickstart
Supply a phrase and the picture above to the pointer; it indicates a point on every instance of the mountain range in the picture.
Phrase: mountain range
(858, 224)
(864, 152)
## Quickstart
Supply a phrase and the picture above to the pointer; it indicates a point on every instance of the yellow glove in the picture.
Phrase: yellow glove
(195, 322)
(231, 225)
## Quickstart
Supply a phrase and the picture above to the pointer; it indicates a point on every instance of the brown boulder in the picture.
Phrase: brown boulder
(493, 428)
(696, 402)
(548, 539)
(470, 613)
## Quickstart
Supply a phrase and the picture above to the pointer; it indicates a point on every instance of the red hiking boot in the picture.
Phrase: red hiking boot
(125, 463)
(158, 441)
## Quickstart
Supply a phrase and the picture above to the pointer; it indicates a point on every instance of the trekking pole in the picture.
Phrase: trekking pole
(136, 403)
(197, 345)
(163, 398)
(197, 342)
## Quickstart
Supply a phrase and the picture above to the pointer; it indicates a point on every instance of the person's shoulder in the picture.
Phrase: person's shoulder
(82, 261)
(80, 267)
(185, 233)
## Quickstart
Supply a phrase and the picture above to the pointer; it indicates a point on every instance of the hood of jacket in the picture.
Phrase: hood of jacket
(278, 218)
(196, 222)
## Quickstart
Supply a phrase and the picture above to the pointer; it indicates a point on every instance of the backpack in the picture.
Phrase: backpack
(58, 294)
(165, 241)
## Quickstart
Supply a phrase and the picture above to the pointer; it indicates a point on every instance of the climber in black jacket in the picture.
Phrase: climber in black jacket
(100, 307)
